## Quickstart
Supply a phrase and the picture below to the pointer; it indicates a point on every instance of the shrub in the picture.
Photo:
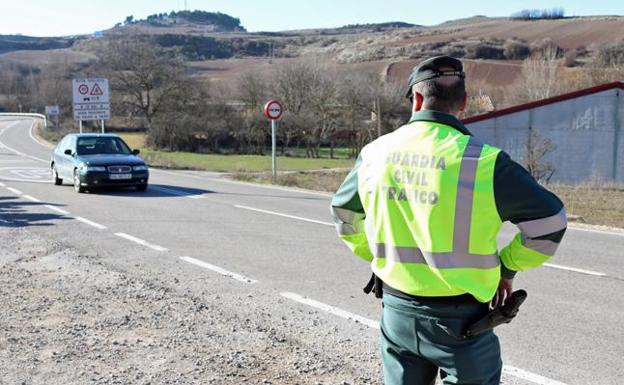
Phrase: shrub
(516, 50)
(484, 51)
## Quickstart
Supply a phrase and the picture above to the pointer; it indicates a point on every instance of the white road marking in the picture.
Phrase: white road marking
(24, 180)
(577, 270)
(176, 192)
(58, 210)
(2, 184)
(90, 223)
(597, 231)
(33, 137)
(219, 270)
(14, 190)
(508, 370)
(284, 215)
(31, 198)
(141, 242)
(2, 145)
(532, 377)
(331, 309)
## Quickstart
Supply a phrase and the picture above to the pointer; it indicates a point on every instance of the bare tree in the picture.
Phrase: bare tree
(144, 79)
(540, 74)
(536, 149)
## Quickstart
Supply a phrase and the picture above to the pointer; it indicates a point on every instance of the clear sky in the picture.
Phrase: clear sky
(68, 17)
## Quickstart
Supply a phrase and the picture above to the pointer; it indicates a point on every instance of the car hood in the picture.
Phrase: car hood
(110, 160)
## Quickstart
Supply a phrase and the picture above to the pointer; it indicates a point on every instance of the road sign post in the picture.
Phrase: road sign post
(273, 110)
(91, 100)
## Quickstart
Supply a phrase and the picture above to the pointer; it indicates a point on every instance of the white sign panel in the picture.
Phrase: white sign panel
(91, 99)
(52, 110)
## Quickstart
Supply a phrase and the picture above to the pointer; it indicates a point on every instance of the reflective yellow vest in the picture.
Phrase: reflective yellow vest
(431, 218)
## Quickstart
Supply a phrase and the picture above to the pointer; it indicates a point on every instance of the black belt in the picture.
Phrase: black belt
(454, 299)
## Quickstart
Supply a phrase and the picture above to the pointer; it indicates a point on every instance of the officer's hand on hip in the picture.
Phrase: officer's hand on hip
(505, 288)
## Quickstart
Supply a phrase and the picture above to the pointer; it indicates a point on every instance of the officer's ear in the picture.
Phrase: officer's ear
(418, 102)
(464, 104)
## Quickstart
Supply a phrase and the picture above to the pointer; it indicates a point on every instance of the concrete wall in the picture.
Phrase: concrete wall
(587, 132)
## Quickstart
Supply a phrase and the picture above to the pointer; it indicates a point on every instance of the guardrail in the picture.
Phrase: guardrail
(26, 115)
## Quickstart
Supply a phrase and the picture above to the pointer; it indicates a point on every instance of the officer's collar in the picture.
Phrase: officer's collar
(439, 117)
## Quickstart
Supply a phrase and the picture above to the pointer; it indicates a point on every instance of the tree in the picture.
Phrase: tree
(535, 150)
(540, 74)
(142, 79)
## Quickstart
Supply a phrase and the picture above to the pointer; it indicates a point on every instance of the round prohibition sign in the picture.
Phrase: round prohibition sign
(273, 109)
(83, 89)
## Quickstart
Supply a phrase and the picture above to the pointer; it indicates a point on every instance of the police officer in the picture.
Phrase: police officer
(423, 206)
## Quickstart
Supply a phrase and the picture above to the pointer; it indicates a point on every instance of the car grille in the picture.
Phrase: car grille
(119, 169)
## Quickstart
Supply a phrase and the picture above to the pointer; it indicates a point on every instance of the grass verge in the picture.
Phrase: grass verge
(592, 204)
(237, 163)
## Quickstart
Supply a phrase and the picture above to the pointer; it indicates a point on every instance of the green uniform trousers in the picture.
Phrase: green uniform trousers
(418, 339)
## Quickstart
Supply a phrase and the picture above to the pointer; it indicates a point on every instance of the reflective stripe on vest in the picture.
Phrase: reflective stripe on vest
(460, 257)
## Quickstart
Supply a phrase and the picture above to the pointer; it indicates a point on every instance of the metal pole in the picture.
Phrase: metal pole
(80, 125)
(273, 145)
(102, 126)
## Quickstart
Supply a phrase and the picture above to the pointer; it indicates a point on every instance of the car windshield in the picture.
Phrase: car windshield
(101, 145)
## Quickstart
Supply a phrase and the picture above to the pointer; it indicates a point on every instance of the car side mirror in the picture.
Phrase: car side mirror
(68, 152)
(136, 151)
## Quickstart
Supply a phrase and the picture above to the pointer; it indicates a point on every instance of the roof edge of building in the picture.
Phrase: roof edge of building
(544, 102)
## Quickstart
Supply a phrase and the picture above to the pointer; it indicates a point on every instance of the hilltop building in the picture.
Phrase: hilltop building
(585, 126)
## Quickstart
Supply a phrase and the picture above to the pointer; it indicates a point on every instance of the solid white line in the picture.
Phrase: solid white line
(577, 270)
(14, 190)
(509, 370)
(219, 270)
(2, 184)
(597, 231)
(141, 242)
(284, 215)
(31, 198)
(58, 210)
(176, 192)
(331, 309)
(535, 378)
(90, 223)
(33, 137)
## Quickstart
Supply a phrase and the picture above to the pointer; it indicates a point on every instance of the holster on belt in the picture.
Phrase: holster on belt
(375, 284)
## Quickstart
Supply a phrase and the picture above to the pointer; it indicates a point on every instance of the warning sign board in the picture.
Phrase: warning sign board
(91, 99)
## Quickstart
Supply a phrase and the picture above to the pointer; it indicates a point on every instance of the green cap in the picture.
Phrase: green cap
(430, 69)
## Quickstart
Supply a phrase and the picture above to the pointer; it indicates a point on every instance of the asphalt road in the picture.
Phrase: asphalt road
(570, 330)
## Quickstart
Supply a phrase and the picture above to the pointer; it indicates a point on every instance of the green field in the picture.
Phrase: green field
(237, 163)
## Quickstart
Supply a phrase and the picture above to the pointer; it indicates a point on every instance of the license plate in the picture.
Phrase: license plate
(121, 176)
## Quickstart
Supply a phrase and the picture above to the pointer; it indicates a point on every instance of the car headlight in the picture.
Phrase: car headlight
(139, 168)
(87, 168)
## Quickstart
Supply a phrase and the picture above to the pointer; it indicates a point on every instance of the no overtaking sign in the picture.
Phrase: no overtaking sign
(91, 99)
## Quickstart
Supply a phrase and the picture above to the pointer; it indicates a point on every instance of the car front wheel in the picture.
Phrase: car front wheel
(77, 187)
(55, 178)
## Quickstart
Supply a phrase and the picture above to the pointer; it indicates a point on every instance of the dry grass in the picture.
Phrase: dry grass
(591, 204)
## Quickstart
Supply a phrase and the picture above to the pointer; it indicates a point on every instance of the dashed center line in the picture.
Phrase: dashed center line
(58, 210)
(141, 242)
(217, 269)
(509, 370)
(14, 190)
(90, 223)
(31, 198)
(176, 192)
(331, 309)
(284, 215)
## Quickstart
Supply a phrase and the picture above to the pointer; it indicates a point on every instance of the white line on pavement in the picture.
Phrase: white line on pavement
(31, 198)
(33, 137)
(176, 192)
(597, 231)
(90, 223)
(331, 309)
(532, 377)
(58, 210)
(22, 154)
(14, 190)
(219, 270)
(509, 370)
(2, 184)
(577, 270)
(284, 215)
(141, 242)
